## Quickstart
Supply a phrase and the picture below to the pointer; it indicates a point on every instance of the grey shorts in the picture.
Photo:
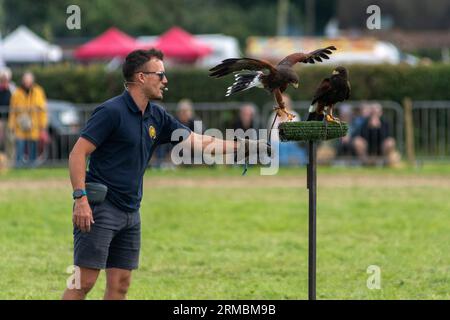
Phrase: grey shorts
(113, 242)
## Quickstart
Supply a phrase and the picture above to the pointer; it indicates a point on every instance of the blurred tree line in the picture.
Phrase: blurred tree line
(239, 18)
(93, 84)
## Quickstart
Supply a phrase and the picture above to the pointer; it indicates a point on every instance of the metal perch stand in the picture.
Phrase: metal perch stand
(311, 131)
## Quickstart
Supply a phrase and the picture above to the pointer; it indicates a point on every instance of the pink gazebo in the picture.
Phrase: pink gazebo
(180, 45)
(110, 44)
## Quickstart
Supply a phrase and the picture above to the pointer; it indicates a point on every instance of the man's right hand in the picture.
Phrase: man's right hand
(82, 214)
(246, 146)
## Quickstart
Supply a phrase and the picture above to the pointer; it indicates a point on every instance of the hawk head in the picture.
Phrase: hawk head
(341, 71)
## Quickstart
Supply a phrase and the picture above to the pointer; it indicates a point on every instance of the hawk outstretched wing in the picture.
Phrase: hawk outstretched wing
(316, 55)
(238, 64)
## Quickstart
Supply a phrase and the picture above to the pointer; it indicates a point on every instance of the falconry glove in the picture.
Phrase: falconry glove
(247, 148)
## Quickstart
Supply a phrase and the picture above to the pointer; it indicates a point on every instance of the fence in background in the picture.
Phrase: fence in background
(217, 115)
(431, 122)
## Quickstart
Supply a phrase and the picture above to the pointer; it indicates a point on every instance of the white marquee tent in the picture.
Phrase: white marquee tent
(22, 45)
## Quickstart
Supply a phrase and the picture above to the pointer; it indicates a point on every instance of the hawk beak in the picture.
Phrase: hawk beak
(295, 85)
(335, 72)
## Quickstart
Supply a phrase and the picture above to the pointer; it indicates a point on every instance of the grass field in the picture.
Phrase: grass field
(212, 234)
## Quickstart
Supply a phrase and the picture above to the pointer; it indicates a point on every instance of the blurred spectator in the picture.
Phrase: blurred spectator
(185, 113)
(5, 97)
(246, 120)
(5, 87)
(358, 120)
(345, 144)
(374, 138)
(290, 152)
(28, 119)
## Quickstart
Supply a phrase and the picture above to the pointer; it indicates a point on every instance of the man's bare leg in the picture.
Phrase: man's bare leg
(87, 280)
(117, 283)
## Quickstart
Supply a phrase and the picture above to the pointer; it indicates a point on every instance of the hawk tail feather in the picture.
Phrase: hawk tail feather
(313, 115)
(244, 81)
(312, 112)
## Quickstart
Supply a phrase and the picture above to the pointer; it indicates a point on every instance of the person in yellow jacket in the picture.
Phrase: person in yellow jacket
(28, 118)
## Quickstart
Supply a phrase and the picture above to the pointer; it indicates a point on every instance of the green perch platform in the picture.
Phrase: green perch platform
(312, 132)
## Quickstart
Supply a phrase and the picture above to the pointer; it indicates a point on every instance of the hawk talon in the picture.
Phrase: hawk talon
(280, 110)
(330, 118)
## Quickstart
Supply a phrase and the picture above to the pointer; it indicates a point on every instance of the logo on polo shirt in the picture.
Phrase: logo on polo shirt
(152, 132)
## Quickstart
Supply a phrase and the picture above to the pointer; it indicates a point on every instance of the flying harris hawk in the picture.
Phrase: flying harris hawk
(275, 79)
(330, 91)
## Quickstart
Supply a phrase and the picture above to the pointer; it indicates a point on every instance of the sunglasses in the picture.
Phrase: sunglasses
(160, 74)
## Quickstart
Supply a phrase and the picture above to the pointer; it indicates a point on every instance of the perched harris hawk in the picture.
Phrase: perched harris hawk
(262, 74)
(330, 91)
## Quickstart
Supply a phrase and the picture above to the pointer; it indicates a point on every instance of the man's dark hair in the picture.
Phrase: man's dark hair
(136, 59)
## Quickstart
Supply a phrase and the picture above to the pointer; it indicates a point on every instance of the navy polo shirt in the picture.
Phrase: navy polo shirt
(125, 140)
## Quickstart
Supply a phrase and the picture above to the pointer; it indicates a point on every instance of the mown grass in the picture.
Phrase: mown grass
(217, 241)
(424, 169)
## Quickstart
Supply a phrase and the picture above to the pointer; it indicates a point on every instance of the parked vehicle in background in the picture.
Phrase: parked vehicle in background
(64, 128)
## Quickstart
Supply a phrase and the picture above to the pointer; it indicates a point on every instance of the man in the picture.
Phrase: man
(28, 118)
(120, 138)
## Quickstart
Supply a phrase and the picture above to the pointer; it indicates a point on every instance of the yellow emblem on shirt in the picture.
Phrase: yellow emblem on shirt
(152, 132)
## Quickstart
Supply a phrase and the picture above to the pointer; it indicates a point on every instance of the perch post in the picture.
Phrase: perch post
(311, 131)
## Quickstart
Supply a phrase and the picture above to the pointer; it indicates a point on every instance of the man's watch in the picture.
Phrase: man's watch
(78, 193)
